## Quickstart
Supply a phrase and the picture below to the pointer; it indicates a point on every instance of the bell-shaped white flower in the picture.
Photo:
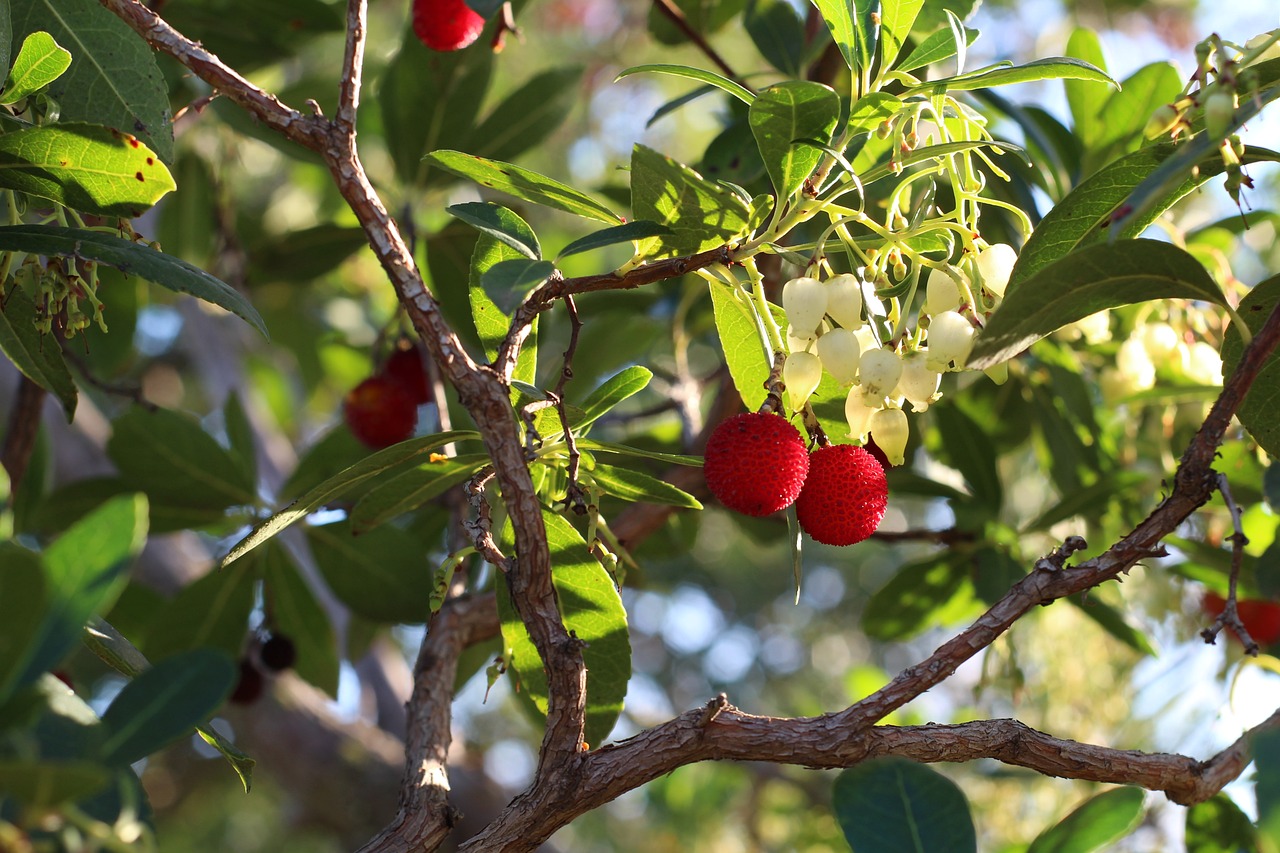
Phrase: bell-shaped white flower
(840, 351)
(995, 263)
(950, 339)
(1204, 367)
(919, 384)
(858, 411)
(805, 301)
(1160, 341)
(844, 300)
(795, 344)
(1135, 365)
(941, 293)
(878, 372)
(890, 431)
(801, 374)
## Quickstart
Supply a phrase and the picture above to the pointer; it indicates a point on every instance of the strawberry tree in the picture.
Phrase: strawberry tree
(986, 370)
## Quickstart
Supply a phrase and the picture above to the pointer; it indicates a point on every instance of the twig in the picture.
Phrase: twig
(1230, 615)
(673, 14)
(129, 392)
(573, 498)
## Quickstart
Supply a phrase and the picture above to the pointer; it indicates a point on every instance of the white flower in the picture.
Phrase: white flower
(801, 373)
(918, 384)
(941, 293)
(840, 352)
(1135, 365)
(858, 411)
(950, 339)
(890, 431)
(879, 371)
(844, 300)
(1160, 341)
(805, 301)
(1205, 365)
(995, 263)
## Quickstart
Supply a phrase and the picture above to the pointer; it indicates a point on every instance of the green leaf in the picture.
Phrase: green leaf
(165, 703)
(509, 282)
(872, 110)
(896, 19)
(36, 355)
(297, 615)
(523, 184)
(785, 113)
(1260, 412)
(1101, 276)
(709, 77)
(22, 608)
(6, 35)
(528, 115)
(303, 254)
(279, 30)
(129, 257)
(635, 230)
(1050, 68)
(83, 166)
(212, 612)
(1265, 747)
(500, 223)
(935, 48)
(430, 99)
(1123, 118)
(113, 79)
(593, 612)
(740, 340)
(637, 487)
(241, 763)
(639, 452)
(42, 785)
(382, 575)
(1088, 501)
(1099, 821)
(170, 457)
(41, 60)
(969, 450)
(1113, 622)
(240, 437)
(85, 570)
(922, 595)
(412, 489)
(342, 482)
(623, 384)
(699, 213)
(840, 17)
(1219, 826)
(892, 805)
(778, 33)
(1086, 101)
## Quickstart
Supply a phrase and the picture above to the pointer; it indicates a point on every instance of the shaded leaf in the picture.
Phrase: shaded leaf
(635, 230)
(1084, 100)
(1260, 412)
(37, 356)
(382, 575)
(509, 282)
(927, 594)
(522, 183)
(412, 489)
(778, 33)
(1219, 826)
(22, 606)
(297, 614)
(1113, 622)
(211, 612)
(46, 784)
(970, 451)
(528, 115)
(892, 805)
(500, 223)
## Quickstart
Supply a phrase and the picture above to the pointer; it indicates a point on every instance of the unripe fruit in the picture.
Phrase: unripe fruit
(805, 301)
(878, 372)
(844, 300)
(278, 653)
(1164, 119)
(405, 367)
(950, 339)
(1219, 109)
(941, 293)
(844, 496)
(840, 354)
(995, 264)
(380, 412)
(755, 463)
(889, 429)
(446, 24)
(801, 374)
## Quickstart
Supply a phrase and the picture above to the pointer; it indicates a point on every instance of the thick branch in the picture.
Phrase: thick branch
(22, 430)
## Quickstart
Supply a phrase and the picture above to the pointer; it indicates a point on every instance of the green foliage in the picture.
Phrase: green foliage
(1098, 822)
(1261, 410)
(891, 804)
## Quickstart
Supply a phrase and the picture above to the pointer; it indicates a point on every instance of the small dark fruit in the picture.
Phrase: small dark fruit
(278, 653)
(405, 367)
(249, 687)
(380, 412)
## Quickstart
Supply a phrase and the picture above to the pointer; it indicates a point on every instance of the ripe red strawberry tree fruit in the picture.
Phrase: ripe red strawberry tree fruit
(446, 24)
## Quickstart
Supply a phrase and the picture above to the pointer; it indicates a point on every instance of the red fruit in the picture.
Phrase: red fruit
(446, 24)
(1261, 618)
(756, 463)
(278, 653)
(380, 412)
(249, 687)
(406, 368)
(844, 497)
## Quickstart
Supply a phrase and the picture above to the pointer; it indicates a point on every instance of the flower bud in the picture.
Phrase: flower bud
(844, 300)
(918, 384)
(840, 351)
(801, 374)
(1219, 108)
(1164, 119)
(889, 429)
(950, 339)
(858, 411)
(941, 293)
(805, 301)
(878, 372)
(995, 263)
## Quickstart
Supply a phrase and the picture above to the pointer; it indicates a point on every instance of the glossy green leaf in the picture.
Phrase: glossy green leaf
(37, 356)
(927, 594)
(709, 77)
(1265, 746)
(113, 79)
(841, 19)
(527, 116)
(211, 612)
(969, 450)
(892, 805)
(699, 213)
(165, 703)
(382, 575)
(523, 184)
(413, 489)
(740, 340)
(896, 19)
(1219, 826)
(83, 166)
(628, 232)
(242, 764)
(1260, 412)
(170, 457)
(342, 482)
(935, 48)
(509, 282)
(40, 61)
(1123, 118)
(627, 382)
(129, 257)
(1086, 101)
(1099, 821)
(1050, 68)
(22, 606)
(785, 113)
(296, 614)
(1100, 276)
(872, 110)
(639, 452)
(500, 223)
(638, 487)
(778, 33)
(42, 785)
(593, 612)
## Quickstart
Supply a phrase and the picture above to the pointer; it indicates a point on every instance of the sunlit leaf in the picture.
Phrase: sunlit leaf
(1099, 821)
(40, 61)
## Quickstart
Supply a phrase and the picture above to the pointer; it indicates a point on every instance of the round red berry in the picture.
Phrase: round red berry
(405, 367)
(380, 412)
(250, 685)
(446, 24)
(844, 496)
(756, 463)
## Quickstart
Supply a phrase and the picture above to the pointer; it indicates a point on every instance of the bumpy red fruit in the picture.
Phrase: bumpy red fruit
(446, 24)
(405, 366)
(380, 412)
(756, 463)
(844, 496)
